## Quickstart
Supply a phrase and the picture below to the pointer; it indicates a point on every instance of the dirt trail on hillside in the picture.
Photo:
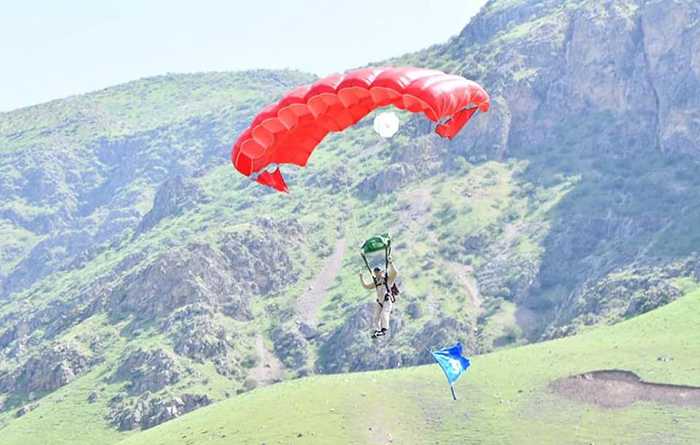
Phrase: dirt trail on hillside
(269, 369)
(619, 388)
(309, 303)
(418, 216)
(465, 277)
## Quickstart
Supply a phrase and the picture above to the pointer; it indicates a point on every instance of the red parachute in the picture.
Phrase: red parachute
(288, 131)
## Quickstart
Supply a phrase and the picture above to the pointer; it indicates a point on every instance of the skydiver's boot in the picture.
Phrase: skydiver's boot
(379, 333)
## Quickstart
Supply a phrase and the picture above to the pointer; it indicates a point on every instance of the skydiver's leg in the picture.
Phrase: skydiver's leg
(377, 320)
(386, 314)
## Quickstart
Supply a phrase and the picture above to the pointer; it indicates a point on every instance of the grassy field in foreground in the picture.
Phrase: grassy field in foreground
(503, 398)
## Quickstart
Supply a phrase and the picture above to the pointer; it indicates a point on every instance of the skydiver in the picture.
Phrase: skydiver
(384, 285)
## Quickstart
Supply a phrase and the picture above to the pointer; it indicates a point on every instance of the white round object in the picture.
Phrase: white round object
(386, 124)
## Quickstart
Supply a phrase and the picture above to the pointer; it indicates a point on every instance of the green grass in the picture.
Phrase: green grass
(15, 243)
(503, 397)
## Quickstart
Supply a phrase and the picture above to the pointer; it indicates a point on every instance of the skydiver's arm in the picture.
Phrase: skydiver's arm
(365, 285)
(392, 273)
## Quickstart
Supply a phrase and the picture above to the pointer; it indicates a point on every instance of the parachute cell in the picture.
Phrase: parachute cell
(288, 131)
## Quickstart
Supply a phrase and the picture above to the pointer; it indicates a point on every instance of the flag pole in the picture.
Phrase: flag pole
(452, 389)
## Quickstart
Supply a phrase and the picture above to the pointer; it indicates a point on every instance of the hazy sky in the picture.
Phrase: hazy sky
(52, 49)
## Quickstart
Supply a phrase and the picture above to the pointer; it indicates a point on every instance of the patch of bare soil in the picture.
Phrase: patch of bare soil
(269, 369)
(465, 277)
(619, 388)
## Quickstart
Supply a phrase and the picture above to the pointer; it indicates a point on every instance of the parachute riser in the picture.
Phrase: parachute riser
(447, 119)
(387, 254)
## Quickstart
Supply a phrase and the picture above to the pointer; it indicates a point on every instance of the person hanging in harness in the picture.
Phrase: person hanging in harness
(384, 284)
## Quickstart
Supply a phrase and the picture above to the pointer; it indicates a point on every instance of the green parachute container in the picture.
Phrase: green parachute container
(379, 243)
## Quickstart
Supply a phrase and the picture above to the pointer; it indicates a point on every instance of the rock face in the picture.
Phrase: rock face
(47, 371)
(671, 41)
(385, 181)
(623, 294)
(174, 196)
(260, 261)
(147, 411)
(148, 371)
(245, 264)
(197, 274)
(591, 88)
(197, 335)
(290, 346)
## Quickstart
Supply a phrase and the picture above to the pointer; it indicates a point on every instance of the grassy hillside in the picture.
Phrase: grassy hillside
(503, 398)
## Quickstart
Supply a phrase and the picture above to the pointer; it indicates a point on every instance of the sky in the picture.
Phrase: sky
(53, 49)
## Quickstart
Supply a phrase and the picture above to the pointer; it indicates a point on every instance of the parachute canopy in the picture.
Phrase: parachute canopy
(386, 124)
(288, 131)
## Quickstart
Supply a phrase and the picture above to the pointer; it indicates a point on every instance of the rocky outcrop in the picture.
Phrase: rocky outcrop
(307, 331)
(148, 371)
(584, 90)
(622, 294)
(47, 371)
(47, 256)
(148, 411)
(290, 346)
(260, 258)
(337, 180)
(196, 334)
(174, 197)
(28, 328)
(196, 274)
(671, 40)
(251, 262)
(386, 180)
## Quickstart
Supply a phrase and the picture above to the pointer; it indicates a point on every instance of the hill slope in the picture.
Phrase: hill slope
(504, 397)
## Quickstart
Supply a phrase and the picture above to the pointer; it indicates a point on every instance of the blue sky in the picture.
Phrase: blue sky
(53, 49)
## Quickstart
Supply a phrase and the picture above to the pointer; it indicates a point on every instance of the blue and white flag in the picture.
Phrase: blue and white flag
(452, 362)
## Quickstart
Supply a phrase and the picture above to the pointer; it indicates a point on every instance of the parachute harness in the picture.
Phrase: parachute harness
(371, 246)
